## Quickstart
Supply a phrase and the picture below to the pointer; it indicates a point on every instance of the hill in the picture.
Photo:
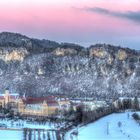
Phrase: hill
(42, 67)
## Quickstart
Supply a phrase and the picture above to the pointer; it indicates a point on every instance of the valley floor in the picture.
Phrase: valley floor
(107, 128)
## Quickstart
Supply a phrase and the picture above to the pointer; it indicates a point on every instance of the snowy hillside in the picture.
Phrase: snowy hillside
(107, 128)
(42, 67)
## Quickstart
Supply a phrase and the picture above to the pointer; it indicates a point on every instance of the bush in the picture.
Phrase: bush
(136, 116)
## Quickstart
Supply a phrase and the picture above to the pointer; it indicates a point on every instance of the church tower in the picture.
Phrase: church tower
(21, 106)
(7, 96)
(45, 108)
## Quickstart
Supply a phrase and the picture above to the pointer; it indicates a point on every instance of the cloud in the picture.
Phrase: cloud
(131, 15)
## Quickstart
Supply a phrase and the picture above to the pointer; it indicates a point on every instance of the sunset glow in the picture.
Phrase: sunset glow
(79, 21)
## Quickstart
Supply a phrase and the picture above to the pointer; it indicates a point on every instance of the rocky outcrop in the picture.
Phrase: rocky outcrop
(64, 51)
(122, 55)
(98, 52)
(13, 55)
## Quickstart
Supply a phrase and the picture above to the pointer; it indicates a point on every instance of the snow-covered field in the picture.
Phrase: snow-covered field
(18, 134)
(11, 135)
(107, 129)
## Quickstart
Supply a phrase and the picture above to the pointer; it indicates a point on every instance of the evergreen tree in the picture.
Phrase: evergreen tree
(120, 106)
(25, 134)
(48, 136)
(44, 135)
(39, 138)
(119, 124)
(79, 114)
(30, 134)
(136, 103)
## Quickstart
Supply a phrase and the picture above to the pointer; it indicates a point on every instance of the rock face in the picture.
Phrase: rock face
(13, 55)
(41, 67)
(64, 51)
(98, 52)
(122, 55)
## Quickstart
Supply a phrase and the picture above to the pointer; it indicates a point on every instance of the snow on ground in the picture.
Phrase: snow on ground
(18, 135)
(19, 124)
(11, 135)
(98, 130)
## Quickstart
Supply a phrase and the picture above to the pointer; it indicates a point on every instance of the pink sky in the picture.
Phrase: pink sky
(74, 21)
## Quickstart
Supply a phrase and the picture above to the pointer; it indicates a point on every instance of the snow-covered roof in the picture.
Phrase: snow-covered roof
(50, 100)
(11, 94)
(132, 98)
(14, 94)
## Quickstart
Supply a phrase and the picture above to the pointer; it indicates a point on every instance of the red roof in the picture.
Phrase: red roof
(50, 100)
(13, 97)
(1, 97)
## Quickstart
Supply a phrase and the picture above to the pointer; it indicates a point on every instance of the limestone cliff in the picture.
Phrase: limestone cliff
(13, 55)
